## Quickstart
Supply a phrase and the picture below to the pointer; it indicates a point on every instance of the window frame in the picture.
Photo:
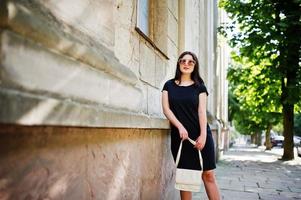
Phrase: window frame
(149, 37)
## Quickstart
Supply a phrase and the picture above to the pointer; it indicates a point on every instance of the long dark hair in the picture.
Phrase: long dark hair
(195, 76)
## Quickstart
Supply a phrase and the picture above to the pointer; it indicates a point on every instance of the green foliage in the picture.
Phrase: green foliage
(268, 46)
(268, 29)
(253, 97)
(278, 128)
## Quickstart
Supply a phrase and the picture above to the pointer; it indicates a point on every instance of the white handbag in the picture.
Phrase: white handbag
(188, 179)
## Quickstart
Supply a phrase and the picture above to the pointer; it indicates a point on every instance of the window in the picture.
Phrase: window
(152, 23)
(143, 16)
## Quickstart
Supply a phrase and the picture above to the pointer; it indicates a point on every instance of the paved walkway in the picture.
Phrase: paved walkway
(248, 173)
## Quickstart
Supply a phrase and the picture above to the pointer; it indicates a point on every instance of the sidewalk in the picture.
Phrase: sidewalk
(248, 173)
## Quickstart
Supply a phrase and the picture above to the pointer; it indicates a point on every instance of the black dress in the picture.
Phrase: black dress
(184, 102)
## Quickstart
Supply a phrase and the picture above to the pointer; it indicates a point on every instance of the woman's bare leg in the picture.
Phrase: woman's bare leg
(185, 195)
(210, 185)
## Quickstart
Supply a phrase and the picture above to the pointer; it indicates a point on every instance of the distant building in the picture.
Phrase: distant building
(80, 94)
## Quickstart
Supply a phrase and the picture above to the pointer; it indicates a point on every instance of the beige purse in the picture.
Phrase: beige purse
(188, 179)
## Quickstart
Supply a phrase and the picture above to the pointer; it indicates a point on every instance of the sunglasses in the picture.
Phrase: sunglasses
(187, 61)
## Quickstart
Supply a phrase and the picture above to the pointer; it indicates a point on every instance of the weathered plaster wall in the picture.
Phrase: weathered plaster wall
(79, 55)
(67, 64)
(46, 162)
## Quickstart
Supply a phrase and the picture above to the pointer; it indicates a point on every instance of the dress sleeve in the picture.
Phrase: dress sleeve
(202, 88)
(166, 86)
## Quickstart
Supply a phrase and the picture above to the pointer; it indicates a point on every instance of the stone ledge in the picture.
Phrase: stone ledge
(30, 67)
(27, 109)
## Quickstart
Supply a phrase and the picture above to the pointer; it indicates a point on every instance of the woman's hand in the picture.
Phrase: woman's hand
(183, 133)
(200, 142)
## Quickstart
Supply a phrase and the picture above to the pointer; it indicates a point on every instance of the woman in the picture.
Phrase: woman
(184, 104)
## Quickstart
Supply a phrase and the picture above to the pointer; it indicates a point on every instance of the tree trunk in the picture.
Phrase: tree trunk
(268, 145)
(253, 138)
(259, 138)
(290, 68)
(288, 124)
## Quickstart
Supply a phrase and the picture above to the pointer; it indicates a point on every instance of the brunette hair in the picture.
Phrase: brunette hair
(195, 76)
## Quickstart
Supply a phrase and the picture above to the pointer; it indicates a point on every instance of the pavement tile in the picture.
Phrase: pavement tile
(235, 186)
(223, 182)
(291, 195)
(276, 185)
(280, 196)
(297, 182)
(249, 184)
(248, 173)
(295, 189)
(238, 195)
(272, 197)
(261, 190)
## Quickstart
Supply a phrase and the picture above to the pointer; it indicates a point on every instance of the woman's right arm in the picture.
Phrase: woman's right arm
(171, 117)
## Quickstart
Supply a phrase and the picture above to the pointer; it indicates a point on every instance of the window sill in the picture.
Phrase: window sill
(151, 43)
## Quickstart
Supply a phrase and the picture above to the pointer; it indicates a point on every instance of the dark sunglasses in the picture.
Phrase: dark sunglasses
(187, 61)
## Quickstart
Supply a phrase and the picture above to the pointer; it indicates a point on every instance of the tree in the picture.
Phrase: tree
(269, 30)
(253, 97)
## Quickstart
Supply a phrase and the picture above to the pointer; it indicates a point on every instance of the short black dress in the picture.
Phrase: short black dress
(184, 102)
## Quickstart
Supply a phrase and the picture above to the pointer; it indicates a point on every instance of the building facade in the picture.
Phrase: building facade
(80, 94)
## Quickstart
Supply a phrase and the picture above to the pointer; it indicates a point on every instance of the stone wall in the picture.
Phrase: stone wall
(79, 59)
(80, 55)
(44, 162)
(66, 64)
(69, 64)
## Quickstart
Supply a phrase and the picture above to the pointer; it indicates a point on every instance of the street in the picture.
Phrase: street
(248, 173)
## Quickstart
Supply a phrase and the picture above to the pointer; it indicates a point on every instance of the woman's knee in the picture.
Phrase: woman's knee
(208, 176)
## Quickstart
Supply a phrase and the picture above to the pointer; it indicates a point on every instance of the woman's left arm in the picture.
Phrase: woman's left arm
(201, 140)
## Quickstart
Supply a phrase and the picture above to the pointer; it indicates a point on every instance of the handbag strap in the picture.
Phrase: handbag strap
(180, 149)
